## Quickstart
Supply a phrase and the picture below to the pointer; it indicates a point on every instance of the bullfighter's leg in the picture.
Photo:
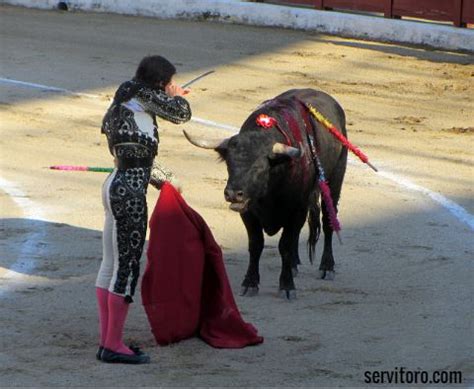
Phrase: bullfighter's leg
(326, 268)
(256, 242)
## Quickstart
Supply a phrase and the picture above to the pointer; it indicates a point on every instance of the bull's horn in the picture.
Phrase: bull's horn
(280, 148)
(205, 144)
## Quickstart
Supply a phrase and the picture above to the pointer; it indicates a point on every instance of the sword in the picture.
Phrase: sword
(197, 78)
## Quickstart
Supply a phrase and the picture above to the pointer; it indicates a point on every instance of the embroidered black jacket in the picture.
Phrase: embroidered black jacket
(132, 99)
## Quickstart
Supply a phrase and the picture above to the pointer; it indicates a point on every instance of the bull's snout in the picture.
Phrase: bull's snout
(234, 196)
(239, 202)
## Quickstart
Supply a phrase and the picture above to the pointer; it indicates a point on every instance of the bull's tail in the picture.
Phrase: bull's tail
(314, 223)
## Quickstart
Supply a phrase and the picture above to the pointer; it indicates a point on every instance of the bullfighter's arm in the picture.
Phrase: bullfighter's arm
(174, 109)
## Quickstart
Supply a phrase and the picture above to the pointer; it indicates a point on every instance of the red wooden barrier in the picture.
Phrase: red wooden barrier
(382, 6)
(428, 9)
(460, 12)
(467, 13)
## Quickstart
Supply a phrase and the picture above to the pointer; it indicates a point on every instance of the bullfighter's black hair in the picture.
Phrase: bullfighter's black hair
(155, 71)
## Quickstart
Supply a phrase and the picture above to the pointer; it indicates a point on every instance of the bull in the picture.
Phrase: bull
(273, 179)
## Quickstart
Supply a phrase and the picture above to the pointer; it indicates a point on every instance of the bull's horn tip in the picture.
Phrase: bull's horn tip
(280, 148)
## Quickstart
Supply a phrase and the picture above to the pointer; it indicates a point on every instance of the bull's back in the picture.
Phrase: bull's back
(297, 181)
(323, 102)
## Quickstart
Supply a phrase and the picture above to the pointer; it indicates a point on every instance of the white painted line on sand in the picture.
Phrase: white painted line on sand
(215, 124)
(26, 260)
(44, 87)
(455, 209)
(24, 84)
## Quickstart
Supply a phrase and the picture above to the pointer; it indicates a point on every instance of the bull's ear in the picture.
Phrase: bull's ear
(222, 150)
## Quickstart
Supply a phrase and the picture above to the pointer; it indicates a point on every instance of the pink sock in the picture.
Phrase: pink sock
(118, 310)
(102, 305)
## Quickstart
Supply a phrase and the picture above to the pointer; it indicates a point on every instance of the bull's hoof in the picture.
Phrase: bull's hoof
(248, 291)
(327, 275)
(287, 294)
(294, 271)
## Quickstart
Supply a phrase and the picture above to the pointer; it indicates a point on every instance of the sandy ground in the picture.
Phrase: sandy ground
(403, 292)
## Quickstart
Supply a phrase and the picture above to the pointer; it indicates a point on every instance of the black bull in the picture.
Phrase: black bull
(274, 184)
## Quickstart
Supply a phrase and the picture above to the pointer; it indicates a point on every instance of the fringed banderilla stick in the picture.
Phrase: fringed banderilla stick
(326, 195)
(82, 168)
(337, 134)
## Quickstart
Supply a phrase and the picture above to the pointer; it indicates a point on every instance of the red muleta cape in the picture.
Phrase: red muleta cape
(185, 289)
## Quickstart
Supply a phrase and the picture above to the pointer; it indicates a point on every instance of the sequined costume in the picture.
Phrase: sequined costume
(131, 129)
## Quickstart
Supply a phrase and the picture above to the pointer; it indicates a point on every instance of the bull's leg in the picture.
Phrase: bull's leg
(256, 242)
(287, 284)
(326, 268)
(288, 247)
(295, 256)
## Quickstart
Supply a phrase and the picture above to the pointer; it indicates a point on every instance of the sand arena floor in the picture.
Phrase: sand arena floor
(403, 292)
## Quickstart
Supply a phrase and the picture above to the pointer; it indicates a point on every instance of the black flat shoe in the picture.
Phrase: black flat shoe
(109, 356)
(136, 349)
(98, 354)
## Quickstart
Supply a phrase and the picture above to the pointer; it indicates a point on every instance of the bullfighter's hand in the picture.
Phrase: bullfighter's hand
(172, 89)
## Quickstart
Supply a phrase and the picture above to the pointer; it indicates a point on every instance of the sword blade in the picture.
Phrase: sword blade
(197, 78)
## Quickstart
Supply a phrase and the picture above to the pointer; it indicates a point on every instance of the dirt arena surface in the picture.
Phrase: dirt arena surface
(403, 294)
